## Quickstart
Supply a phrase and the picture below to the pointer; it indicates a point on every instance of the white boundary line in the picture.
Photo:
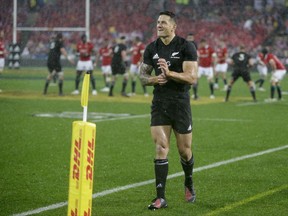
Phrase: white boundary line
(126, 187)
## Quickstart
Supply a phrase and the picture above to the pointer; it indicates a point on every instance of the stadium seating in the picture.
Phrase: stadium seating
(233, 21)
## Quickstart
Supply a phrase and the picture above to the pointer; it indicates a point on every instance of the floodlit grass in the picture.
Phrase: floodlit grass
(35, 151)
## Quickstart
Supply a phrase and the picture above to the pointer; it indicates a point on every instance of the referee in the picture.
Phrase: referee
(174, 61)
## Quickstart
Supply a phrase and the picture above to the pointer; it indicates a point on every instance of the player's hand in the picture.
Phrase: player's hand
(164, 67)
(71, 60)
(162, 79)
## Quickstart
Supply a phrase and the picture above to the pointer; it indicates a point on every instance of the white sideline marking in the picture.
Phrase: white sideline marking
(126, 187)
(222, 120)
(124, 117)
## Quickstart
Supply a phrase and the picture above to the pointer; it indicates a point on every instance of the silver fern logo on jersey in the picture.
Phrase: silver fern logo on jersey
(174, 55)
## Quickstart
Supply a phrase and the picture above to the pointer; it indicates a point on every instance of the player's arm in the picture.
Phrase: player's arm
(97, 58)
(272, 64)
(64, 52)
(250, 62)
(146, 78)
(123, 54)
(189, 75)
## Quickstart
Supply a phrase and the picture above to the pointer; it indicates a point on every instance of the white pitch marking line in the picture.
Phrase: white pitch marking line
(221, 119)
(126, 187)
(120, 118)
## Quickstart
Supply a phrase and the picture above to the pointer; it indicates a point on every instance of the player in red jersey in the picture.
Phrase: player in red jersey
(207, 57)
(105, 54)
(2, 54)
(137, 51)
(84, 49)
(222, 65)
(278, 73)
(262, 69)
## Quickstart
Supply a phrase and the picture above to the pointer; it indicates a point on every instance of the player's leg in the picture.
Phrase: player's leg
(209, 74)
(112, 84)
(262, 73)
(184, 142)
(195, 90)
(196, 84)
(124, 84)
(161, 138)
(216, 86)
(51, 73)
(251, 85)
(224, 68)
(182, 128)
(80, 67)
(60, 75)
(235, 76)
(93, 82)
(133, 74)
(2, 63)
(106, 72)
(223, 75)
(279, 75)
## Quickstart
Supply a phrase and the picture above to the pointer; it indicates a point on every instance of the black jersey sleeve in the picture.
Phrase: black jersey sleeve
(147, 58)
(190, 52)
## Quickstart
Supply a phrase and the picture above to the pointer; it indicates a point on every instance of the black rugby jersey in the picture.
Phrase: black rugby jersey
(241, 61)
(55, 51)
(117, 57)
(175, 53)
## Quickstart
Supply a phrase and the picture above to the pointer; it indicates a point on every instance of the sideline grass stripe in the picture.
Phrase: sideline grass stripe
(245, 201)
(126, 187)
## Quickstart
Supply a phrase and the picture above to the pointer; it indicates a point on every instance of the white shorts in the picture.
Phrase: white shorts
(278, 75)
(221, 67)
(134, 69)
(84, 65)
(205, 71)
(106, 69)
(262, 69)
(2, 63)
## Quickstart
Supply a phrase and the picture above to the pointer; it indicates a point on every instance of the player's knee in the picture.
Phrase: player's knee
(185, 152)
(162, 150)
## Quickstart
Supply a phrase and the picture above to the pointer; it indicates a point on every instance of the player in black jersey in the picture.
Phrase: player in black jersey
(118, 66)
(241, 62)
(174, 61)
(54, 64)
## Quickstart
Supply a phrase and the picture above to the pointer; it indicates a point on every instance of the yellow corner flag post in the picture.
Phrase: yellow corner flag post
(82, 160)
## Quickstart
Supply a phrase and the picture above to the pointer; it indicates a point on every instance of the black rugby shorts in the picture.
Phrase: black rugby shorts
(176, 113)
(54, 66)
(118, 69)
(244, 74)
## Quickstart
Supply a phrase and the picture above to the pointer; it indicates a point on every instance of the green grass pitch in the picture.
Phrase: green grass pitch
(249, 139)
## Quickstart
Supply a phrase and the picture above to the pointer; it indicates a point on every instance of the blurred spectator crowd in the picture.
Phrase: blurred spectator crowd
(253, 23)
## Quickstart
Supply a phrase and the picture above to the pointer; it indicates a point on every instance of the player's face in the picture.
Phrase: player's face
(190, 38)
(165, 26)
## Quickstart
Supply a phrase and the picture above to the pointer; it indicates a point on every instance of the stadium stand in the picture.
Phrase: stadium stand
(246, 22)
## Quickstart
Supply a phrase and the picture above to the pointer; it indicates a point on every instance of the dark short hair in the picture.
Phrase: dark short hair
(264, 51)
(168, 13)
(83, 36)
(122, 37)
(59, 36)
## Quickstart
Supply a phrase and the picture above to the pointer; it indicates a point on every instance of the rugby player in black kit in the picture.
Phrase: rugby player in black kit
(174, 61)
(54, 64)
